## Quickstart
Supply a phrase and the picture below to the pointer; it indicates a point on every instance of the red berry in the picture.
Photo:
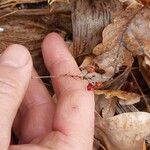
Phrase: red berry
(90, 87)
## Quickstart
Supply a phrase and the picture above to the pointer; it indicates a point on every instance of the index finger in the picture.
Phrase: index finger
(75, 108)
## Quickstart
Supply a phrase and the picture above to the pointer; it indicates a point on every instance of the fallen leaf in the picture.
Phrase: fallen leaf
(127, 36)
(125, 98)
(123, 132)
(89, 18)
(105, 107)
(87, 61)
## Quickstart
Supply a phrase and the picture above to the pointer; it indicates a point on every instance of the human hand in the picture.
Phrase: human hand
(39, 124)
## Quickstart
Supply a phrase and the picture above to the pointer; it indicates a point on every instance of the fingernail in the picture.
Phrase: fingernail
(15, 56)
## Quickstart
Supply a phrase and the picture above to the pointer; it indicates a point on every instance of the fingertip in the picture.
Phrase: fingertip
(15, 55)
(54, 48)
(15, 73)
(50, 41)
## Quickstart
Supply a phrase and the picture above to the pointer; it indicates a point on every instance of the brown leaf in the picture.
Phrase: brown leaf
(106, 107)
(89, 19)
(125, 98)
(128, 35)
(123, 132)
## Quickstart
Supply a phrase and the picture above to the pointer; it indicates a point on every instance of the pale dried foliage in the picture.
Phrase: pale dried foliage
(125, 98)
(128, 35)
(123, 132)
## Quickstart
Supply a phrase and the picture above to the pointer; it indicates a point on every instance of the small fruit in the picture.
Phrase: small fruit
(90, 87)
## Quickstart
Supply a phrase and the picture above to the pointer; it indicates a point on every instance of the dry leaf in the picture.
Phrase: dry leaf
(125, 98)
(106, 107)
(128, 35)
(89, 19)
(87, 61)
(123, 132)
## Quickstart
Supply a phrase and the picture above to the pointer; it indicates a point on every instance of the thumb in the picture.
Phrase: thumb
(15, 73)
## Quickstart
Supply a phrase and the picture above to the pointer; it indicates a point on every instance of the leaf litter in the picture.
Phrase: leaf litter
(118, 31)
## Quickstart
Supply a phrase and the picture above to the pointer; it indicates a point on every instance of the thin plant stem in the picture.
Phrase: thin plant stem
(148, 107)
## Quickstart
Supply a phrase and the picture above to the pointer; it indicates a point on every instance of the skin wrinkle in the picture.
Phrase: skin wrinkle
(58, 138)
(58, 64)
(7, 83)
(72, 100)
(71, 125)
(10, 82)
(69, 92)
(26, 108)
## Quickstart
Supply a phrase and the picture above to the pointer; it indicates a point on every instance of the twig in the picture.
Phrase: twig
(99, 144)
(148, 107)
(13, 12)
(65, 75)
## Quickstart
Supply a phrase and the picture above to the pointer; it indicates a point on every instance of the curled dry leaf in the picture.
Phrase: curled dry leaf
(123, 132)
(89, 19)
(125, 98)
(128, 35)
(107, 107)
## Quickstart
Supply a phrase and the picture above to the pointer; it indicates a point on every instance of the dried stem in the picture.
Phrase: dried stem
(8, 14)
(99, 144)
(148, 107)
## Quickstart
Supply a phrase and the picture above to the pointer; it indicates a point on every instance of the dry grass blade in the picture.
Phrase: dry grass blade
(8, 14)
(7, 3)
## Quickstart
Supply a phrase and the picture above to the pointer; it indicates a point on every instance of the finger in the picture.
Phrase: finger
(75, 109)
(15, 73)
(36, 112)
(61, 64)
